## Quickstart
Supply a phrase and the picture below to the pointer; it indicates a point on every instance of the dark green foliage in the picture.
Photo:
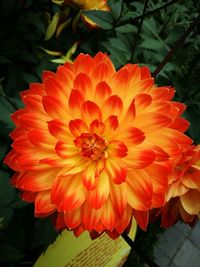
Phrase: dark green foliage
(23, 25)
(145, 241)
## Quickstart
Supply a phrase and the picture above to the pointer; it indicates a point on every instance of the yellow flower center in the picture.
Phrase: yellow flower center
(91, 146)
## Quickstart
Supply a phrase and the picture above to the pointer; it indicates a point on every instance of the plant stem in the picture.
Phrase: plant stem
(120, 15)
(180, 41)
(150, 13)
(143, 256)
(139, 29)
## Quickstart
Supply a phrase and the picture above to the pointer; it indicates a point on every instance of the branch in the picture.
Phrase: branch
(180, 41)
(143, 256)
(150, 13)
(139, 29)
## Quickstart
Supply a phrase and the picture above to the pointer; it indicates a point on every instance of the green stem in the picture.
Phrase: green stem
(143, 256)
(139, 29)
(121, 11)
(180, 41)
(150, 13)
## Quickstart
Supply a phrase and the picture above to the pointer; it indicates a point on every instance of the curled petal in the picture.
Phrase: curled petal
(83, 83)
(76, 99)
(69, 189)
(90, 217)
(108, 217)
(132, 135)
(181, 124)
(77, 127)
(102, 91)
(140, 158)
(43, 204)
(111, 126)
(90, 112)
(73, 219)
(54, 108)
(99, 196)
(41, 138)
(103, 69)
(145, 73)
(113, 105)
(163, 93)
(117, 148)
(33, 102)
(118, 196)
(142, 218)
(29, 196)
(117, 170)
(97, 127)
(36, 181)
(139, 190)
(83, 64)
(142, 101)
(151, 122)
(191, 201)
(89, 177)
(65, 150)
(122, 224)
(58, 128)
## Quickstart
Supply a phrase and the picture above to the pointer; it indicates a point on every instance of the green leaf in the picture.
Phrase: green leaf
(45, 233)
(151, 44)
(5, 216)
(9, 253)
(52, 26)
(7, 192)
(126, 28)
(116, 8)
(192, 116)
(119, 44)
(4, 60)
(103, 19)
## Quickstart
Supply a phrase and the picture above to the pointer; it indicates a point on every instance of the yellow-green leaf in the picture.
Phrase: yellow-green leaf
(52, 26)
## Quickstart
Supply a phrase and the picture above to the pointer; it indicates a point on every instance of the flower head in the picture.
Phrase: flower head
(183, 194)
(94, 146)
(89, 5)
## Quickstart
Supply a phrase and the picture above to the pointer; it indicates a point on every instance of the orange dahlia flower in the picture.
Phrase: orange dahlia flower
(89, 5)
(184, 189)
(94, 146)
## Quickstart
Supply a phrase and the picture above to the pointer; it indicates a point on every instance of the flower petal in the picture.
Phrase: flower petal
(98, 196)
(69, 189)
(97, 127)
(66, 150)
(43, 204)
(113, 105)
(83, 83)
(151, 122)
(139, 158)
(76, 99)
(54, 108)
(90, 217)
(117, 148)
(108, 216)
(116, 170)
(89, 178)
(58, 128)
(102, 91)
(90, 112)
(191, 201)
(37, 181)
(73, 219)
(142, 218)
(139, 190)
(118, 198)
(77, 127)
